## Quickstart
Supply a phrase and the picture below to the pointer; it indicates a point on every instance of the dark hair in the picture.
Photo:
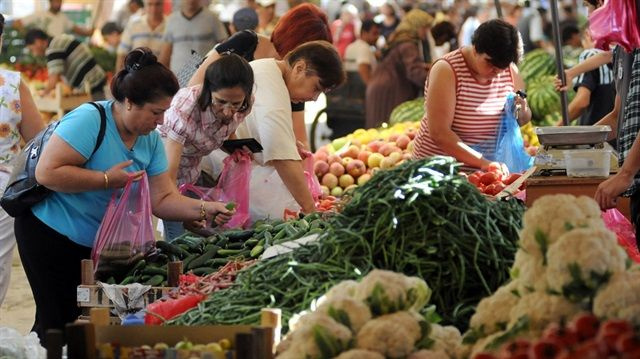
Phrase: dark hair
(367, 25)
(310, 24)
(110, 28)
(230, 70)
(33, 35)
(143, 79)
(595, 3)
(568, 31)
(321, 57)
(140, 3)
(1, 24)
(499, 40)
(443, 29)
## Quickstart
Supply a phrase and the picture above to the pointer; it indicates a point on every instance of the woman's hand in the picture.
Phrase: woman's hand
(197, 227)
(219, 212)
(118, 177)
(302, 150)
(609, 190)
(568, 76)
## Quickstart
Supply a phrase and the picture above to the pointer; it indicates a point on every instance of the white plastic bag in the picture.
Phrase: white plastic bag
(14, 345)
(269, 197)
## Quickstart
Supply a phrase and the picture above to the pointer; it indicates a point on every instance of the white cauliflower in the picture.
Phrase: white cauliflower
(317, 336)
(346, 288)
(553, 215)
(359, 354)
(347, 311)
(387, 292)
(542, 309)
(493, 312)
(582, 260)
(446, 339)
(620, 298)
(528, 271)
(393, 335)
(481, 345)
(429, 354)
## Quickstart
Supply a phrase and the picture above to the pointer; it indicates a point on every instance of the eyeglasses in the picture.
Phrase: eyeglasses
(220, 104)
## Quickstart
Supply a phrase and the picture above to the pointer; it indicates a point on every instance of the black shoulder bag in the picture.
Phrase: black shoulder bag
(23, 191)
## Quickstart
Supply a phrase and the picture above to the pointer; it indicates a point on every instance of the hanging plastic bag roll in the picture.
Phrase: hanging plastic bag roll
(126, 231)
(615, 22)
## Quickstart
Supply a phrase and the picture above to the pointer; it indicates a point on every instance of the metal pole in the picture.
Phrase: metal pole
(557, 41)
(498, 8)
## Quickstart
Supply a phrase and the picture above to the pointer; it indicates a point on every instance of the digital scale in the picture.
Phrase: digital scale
(554, 141)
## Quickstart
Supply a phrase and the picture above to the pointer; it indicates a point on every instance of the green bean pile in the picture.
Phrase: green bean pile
(420, 218)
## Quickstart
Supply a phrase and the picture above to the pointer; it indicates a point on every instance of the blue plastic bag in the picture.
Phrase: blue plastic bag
(507, 145)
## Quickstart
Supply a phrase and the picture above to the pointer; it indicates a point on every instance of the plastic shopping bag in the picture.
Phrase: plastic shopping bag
(507, 146)
(622, 227)
(162, 310)
(126, 231)
(615, 22)
(309, 173)
(270, 198)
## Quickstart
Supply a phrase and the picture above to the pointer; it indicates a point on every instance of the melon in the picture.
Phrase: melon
(412, 111)
(536, 64)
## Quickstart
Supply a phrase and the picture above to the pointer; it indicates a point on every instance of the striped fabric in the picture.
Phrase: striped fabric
(72, 59)
(606, 73)
(630, 126)
(138, 33)
(478, 107)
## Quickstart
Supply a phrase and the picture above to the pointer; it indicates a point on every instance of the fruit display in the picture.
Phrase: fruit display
(530, 139)
(493, 181)
(184, 349)
(567, 262)
(349, 162)
(584, 337)
(535, 64)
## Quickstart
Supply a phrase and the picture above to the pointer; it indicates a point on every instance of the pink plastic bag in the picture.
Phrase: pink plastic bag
(309, 173)
(126, 231)
(620, 225)
(233, 186)
(615, 22)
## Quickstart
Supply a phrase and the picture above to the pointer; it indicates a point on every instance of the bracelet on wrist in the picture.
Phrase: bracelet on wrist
(106, 180)
(203, 213)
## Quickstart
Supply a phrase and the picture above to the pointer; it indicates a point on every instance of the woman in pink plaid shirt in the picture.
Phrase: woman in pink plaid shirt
(201, 117)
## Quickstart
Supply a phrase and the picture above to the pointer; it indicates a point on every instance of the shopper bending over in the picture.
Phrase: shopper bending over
(59, 232)
(466, 93)
(201, 117)
(301, 24)
(303, 74)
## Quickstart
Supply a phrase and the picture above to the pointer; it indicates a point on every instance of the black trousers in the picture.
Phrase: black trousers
(51, 262)
(634, 208)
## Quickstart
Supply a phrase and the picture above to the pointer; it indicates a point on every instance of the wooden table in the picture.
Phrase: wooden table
(59, 103)
(538, 186)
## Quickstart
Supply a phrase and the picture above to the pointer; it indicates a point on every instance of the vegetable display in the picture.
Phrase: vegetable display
(568, 262)
(419, 218)
(493, 181)
(376, 318)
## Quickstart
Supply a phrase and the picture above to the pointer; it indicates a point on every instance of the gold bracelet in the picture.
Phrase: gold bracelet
(203, 213)
(106, 180)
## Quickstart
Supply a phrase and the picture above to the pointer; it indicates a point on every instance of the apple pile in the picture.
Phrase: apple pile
(347, 163)
(584, 337)
(493, 181)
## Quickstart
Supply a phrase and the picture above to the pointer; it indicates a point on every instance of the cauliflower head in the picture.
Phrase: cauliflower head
(392, 335)
(446, 339)
(492, 313)
(542, 309)
(318, 336)
(429, 354)
(620, 298)
(528, 271)
(388, 292)
(359, 354)
(553, 215)
(347, 311)
(582, 260)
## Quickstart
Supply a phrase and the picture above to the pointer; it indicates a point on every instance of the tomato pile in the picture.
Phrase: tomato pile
(493, 181)
(583, 338)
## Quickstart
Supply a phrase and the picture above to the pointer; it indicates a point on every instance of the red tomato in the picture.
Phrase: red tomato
(545, 349)
(512, 178)
(499, 186)
(490, 189)
(591, 349)
(612, 329)
(488, 178)
(494, 166)
(474, 179)
(484, 356)
(627, 343)
(518, 346)
(586, 326)
(561, 333)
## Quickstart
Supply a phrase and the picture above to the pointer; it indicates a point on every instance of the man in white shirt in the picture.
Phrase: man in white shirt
(144, 31)
(360, 55)
(52, 21)
(193, 27)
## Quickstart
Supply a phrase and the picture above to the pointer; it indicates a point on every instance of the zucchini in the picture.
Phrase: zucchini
(198, 262)
(239, 235)
(174, 249)
(235, 245)
(256, 251)
(251, 242)
(153, 270)
(155, 281)
(187, 261)
(128, 280)
(216, 262)
(230, 252)
(139, 266)
(202, 271)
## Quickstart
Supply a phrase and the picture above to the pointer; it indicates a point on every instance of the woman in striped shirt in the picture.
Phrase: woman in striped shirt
(466, 92)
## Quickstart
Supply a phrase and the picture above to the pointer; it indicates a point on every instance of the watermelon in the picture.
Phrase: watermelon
(544, 100)
(412, 110)
(536, 64)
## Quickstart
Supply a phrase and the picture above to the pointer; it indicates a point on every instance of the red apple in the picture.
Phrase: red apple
(374, 146)
(337, 169)
(403, 141)
(320, 168)
(364, 155)
(411, 133)
(333, 158)
(321, 156)
(356, 168)
(352, 152)
(393, 137)
(387, 148)
(330, 180)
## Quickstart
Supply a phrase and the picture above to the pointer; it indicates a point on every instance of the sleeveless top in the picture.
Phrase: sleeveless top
(478, 107)
(10, 116)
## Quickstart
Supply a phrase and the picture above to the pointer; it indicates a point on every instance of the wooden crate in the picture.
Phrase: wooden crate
(60, 103)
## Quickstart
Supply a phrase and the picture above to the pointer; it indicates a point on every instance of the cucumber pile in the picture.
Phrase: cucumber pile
(203, 256)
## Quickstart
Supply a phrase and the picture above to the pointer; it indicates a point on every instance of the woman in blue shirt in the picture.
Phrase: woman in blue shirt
(59, 232)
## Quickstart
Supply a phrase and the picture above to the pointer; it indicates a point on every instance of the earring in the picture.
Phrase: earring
(129, 107)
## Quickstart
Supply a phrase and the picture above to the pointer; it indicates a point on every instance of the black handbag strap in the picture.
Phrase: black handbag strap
(103, 126)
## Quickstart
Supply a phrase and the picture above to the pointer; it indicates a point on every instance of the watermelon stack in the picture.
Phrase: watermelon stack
(408, 111)
(536, 64)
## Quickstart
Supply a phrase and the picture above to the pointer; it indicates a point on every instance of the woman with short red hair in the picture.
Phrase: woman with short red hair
(303, 23)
